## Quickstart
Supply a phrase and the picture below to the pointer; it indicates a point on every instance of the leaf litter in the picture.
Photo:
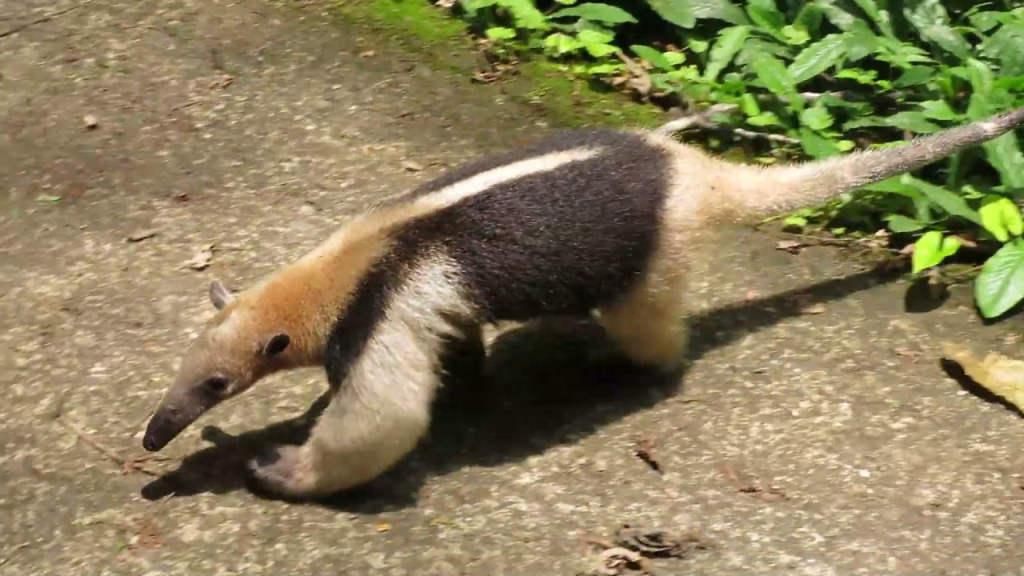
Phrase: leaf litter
(202, 259)
(633, 548)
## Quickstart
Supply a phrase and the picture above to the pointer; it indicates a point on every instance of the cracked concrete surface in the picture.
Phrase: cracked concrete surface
(257, 130)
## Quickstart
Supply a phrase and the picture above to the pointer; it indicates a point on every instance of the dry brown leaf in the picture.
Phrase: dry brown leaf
(998, 374)
(658, 543)
(907, 353)
(615, 560)
(645, 451)
(818, 308)
(202, 259)
(791, 246)
(223, 82)
(141, 235)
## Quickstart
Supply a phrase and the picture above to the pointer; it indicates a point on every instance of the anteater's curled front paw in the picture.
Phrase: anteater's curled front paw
(284, 470)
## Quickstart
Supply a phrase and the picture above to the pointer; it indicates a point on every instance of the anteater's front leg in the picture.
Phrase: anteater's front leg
(378, 415)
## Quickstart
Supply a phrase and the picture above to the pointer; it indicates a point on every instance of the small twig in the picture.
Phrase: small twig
(42, 19)
(810, 240)
(702, 118)
(765, 135)
(127, 464)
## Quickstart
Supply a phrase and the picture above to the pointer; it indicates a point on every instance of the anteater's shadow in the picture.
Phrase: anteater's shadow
(540, 389)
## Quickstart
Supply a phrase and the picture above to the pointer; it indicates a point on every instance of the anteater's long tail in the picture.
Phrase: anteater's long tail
(780, 189)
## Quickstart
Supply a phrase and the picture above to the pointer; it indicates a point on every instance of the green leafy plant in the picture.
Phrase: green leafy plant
(818, 78)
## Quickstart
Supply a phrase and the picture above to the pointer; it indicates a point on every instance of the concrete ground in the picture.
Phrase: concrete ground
(805, 438)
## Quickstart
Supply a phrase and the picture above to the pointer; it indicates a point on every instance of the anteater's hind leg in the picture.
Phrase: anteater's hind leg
(649, 324)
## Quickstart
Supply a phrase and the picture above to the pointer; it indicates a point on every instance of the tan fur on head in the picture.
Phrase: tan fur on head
(278, 324)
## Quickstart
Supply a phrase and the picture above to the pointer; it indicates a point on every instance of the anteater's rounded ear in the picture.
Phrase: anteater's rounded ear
(219, 295)
(276, 345)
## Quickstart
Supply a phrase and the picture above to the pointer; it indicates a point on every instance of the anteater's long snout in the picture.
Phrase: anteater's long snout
(172, 416)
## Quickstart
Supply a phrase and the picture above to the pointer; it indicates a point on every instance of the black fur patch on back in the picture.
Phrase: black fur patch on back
(558, 242)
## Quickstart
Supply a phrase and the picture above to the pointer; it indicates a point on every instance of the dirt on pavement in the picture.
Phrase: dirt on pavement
(148, 147)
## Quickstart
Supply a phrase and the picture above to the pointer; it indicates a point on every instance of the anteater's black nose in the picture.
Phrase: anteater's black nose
(158, 433)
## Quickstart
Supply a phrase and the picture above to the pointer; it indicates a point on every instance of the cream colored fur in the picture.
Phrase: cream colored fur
(383, 408)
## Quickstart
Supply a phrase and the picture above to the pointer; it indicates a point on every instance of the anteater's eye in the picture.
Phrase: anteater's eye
(217, 384)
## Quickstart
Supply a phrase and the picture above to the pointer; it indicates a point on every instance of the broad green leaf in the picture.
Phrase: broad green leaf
(880, 17)
(932, 21)
(863, 42)
(594, 37)
(795, 35)
(931, 249)
(674, 58)
(678, 12)
(561, 43)
(600, 50)
(809, 18)
(1004, 154)
(817, 146)
(728, 44)
(895, 185)
(755, 47)
(1001, 217)
(901, 224)
(816, 117)
(749, 105)
(901, 54)
(773, 74)
(1007, 46)
(818, 57)
(764, 119)
(596, 12)
(1000, 286)
(948, 201)
(795, 221)
(526, 14)
(939, 110)
(500, 33)
(655, 57)
(765, 14)
(981, 78)
(914, 75)
(837, 16)
(985, 21)
(862, 123)
(915, 122)
(697, 45)
(718, 10)
(858, 75)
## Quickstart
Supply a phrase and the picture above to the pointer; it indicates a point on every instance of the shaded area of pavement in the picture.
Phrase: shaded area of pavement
(256, 130)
